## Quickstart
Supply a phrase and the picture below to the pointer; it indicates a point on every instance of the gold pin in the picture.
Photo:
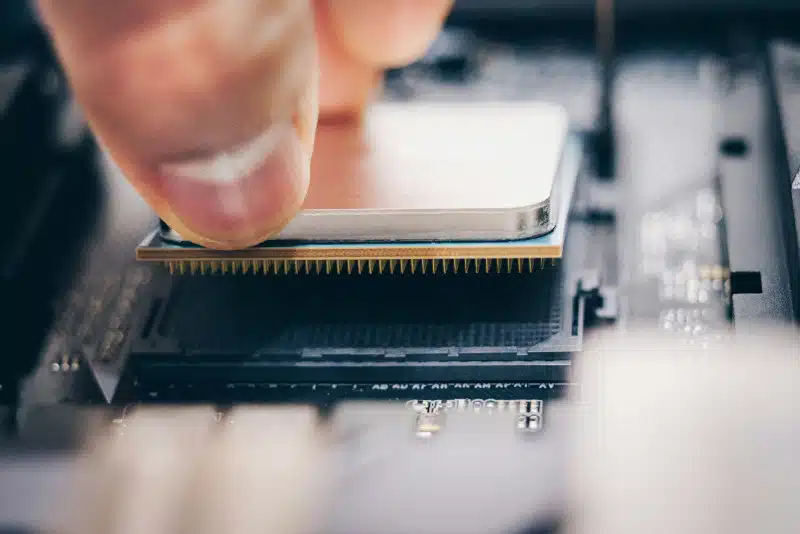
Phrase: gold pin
(411, 266)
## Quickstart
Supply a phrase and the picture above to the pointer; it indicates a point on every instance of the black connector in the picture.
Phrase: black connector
(603, 141)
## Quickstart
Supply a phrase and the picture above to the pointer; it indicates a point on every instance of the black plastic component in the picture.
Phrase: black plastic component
(603, 142)
(734, 147)
(785, 78)
(27, 152)
(336, 328)
(746, 283)
(40, 196)
(364, 312)
(600, 302)
(603, 148)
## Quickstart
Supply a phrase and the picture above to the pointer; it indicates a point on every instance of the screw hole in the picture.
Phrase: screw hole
(734, 147)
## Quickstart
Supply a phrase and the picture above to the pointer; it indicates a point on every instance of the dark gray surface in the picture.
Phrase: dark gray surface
(785, 71)
(751, 191)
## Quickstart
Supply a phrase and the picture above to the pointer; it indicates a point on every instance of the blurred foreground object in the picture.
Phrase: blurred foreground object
(678, 438)
(668, 438)
(165, 471)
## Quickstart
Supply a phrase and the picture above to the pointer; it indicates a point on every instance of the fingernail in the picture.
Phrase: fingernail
(243, 195)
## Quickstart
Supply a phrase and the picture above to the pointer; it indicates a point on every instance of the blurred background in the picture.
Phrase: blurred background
(684, 225)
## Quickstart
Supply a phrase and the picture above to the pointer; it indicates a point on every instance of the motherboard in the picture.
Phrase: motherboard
(662, 246)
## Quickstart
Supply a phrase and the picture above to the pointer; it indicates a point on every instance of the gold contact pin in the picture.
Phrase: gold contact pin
(413, 266)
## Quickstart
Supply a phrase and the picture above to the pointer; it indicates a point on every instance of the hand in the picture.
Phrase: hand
(209, 107)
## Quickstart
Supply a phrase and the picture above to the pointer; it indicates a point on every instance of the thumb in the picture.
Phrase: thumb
(207, 106)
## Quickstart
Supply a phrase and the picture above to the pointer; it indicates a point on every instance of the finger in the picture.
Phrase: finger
(347, 83)
(358, 39)
(388, 33)
(207, 106)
